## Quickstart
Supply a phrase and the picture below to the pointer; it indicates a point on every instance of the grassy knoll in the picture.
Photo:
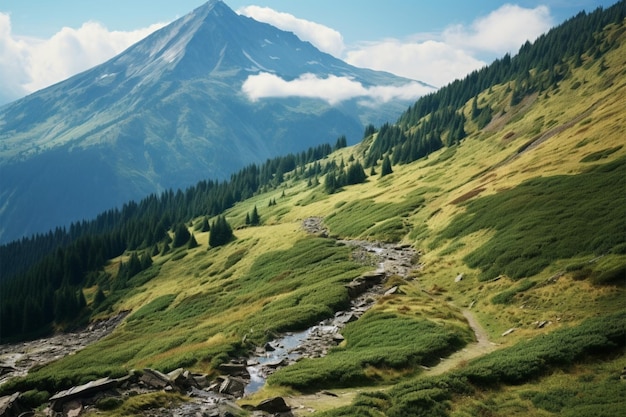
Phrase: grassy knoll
(376, 345)
(521, 363)
(545, 219)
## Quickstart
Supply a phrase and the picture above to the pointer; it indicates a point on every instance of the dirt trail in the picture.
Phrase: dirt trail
(303, 405)
(482, 346)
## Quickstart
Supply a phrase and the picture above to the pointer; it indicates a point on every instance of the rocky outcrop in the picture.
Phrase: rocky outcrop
(17, 359)
(363, 283)
(87, 390)
(10, 406)
(273, 406)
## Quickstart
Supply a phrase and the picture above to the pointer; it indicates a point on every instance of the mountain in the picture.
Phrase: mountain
(166, 113)
(502, 256)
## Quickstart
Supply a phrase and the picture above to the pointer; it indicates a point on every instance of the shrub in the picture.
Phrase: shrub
(108, 403)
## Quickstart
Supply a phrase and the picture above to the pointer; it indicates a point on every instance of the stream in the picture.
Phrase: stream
(314, 342)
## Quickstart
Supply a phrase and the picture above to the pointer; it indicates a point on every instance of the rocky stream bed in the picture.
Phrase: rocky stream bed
(241, 377)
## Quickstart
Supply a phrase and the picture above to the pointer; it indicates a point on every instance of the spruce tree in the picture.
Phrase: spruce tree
(255, 219)
(192, 242)
(221, 232)
(386, 167)
(181, 236)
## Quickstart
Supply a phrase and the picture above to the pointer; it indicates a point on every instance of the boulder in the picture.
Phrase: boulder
(154, 379)
(82, 391)
(233, 386)
(234, 369)
(359, 285)
(182, 379)
(273, 406)
(9, 405)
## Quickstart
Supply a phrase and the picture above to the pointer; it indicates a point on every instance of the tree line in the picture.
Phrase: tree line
(43, 275)
(437, 119)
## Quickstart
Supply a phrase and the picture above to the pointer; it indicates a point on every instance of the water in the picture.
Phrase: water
(285, 351)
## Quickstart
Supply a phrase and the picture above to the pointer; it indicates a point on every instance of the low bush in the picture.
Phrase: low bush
(545, 219)
(505, 297)
(520, 363)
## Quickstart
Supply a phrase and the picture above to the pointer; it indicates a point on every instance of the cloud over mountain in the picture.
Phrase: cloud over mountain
(28, 64)
(441, 58)
(332, 89)
(324, 38)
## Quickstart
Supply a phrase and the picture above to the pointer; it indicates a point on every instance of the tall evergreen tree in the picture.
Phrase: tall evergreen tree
(386, 167)
(221, 232)
(181, 236)
(255, 219)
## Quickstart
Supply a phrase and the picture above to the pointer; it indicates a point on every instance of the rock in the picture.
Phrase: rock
(182, 379)
(6, 370)
(72, 408)
(337, 337)
(233, 386)
(9, 406)
(234, 369)
(330, 394)
(201, 380)
(82, 391)
(154, 379)
(345, 318)
(268, 347)
(458, 278)
(392, 290)
(508, 332)
(273, 406)
(363, 283)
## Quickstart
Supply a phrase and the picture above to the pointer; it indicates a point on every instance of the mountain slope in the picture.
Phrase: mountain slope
(543, 180)
(166, 113)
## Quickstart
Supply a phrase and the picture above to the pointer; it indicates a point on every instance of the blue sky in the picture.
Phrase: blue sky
(42, 42)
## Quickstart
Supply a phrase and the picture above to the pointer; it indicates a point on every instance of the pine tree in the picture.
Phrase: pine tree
(255, 219)
(99, 297)
(386, 167)
(192, 242)
(181, 236)
(221, 232)
(204, 226)
(330, 184)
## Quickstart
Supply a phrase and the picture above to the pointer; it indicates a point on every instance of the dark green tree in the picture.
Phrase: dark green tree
(192, 243)
(181, 236)
(386, 167)
(221, 232)
(255, 219)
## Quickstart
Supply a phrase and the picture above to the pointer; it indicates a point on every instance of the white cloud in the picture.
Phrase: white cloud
(29, 64)
(332, 89)
(436, 59)
(457, 51)
(433, 62)
(13, 58)
(501, 31)
(322, 37)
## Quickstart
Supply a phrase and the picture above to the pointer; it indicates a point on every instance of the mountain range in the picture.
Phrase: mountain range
(167, 112)
(469, 259)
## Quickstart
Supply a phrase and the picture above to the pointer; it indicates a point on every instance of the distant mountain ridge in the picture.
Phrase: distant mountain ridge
(166, 113)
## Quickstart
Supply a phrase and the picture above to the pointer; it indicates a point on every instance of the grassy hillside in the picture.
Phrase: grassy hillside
(530, 209)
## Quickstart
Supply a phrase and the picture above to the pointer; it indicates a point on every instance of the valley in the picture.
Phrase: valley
(495, 209)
